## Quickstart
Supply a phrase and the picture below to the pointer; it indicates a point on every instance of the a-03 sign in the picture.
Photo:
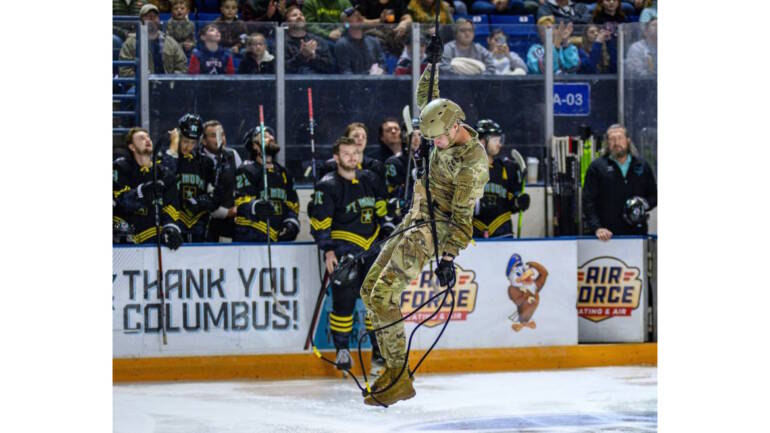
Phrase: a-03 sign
(571, 99)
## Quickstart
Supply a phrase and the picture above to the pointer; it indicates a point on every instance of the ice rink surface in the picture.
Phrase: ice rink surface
(608, 399)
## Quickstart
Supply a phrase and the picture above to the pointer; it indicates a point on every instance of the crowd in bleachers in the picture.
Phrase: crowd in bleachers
(374, 36)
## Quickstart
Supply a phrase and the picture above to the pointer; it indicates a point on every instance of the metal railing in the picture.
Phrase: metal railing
(121, 85)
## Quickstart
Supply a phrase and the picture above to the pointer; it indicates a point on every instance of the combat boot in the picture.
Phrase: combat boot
(401, 390)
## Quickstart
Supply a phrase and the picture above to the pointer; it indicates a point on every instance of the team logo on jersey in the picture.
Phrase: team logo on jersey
(367, 215)
(607, 287)
(422, 288)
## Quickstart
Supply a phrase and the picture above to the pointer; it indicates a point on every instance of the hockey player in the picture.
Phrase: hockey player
(344, 218)
(191, 201)
(282, 206)
(226, 161)
(358, 133)
(399, 197)
(458, 173)
(502, 194)
(134, 192)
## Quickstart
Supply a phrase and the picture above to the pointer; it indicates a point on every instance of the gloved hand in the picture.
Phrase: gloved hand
(435, 49)
(200, 204)
(644, 203)
(420, 155)
(445, 272)
(522, 202)
(262, 208)
(395, 205)
(171, 236)
(149, 190)
(288, 232)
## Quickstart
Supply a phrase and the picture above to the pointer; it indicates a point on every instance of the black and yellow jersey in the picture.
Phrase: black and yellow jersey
(249, 187)
(498, 202)
(127, 206)
(375, 166)
(194, 181)
(345, 214)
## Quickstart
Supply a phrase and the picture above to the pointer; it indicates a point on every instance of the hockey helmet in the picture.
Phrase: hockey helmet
(438, 116)
(486, 127)
(635, 211)
(190, 126)
(254, 135)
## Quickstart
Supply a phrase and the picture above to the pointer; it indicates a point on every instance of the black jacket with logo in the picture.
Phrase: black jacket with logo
(605, 192)
(345, 214)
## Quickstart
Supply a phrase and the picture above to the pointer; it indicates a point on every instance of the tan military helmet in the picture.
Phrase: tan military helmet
(438, 116)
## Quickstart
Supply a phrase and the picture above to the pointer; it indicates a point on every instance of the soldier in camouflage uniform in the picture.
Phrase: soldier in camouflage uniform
(458, 173)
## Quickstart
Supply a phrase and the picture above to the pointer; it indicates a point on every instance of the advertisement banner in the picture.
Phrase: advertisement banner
(612, 295)
(218, 300)
(508, 294)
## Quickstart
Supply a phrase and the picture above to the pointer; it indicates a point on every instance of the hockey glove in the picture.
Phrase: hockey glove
(445, 272)
(289, 232)
(522, 202)
(149, 190)
(171, 236)
(645, 205)
(435, 49)
(262, 208)
(202, 203)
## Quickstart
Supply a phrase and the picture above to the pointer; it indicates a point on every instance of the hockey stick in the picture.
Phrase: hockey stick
(311, 127)
(273, 289)
(156, 203)
(523, 170)
(409, 131)
(316, 311)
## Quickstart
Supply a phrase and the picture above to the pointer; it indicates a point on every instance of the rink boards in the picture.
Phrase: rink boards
(219, 308)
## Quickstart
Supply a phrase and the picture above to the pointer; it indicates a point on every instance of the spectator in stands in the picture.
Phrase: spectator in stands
(618, 175)
(457, 52)
(565, 55)
(564, 10)
(404, 64)
(596, 55)
(231, 28)
(389, 22)
(166, 55)
(323, 12)
(505, 62)
(642, 57)
(389, 138)
(608, 11)
(180, 27)
(164, 6)
(505, 7)
(424, 11)
(121, 32)
(263, 10)
(257, 60)
(211, 58)
(356, 52)
(649, 12)
(305, 53)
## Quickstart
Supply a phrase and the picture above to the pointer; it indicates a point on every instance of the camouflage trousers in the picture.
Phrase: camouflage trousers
(400, 261)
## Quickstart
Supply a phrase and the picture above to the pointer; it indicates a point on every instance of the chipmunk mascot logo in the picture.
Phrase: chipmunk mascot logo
(526, 280)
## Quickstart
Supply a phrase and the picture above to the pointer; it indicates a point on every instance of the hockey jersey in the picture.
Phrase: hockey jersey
(249, 187)
(494, 209)
(128, 207)
(345, 214)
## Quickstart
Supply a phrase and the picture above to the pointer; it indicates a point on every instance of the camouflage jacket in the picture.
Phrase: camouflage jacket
(457, 178)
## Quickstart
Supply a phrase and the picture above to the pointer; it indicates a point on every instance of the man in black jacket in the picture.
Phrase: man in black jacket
(614, 178)
(305, 53)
